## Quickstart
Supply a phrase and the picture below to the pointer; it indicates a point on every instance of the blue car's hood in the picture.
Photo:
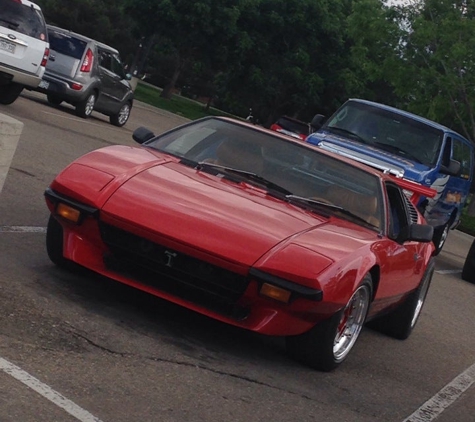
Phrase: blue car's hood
(371, 155)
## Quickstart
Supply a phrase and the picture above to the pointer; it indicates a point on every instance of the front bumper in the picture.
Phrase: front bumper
(214, 287)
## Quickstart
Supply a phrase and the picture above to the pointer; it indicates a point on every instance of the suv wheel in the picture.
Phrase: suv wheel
(120, 119)
(9, 93)
(85, 107)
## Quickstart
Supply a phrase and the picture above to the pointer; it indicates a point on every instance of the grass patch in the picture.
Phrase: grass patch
(177, 104)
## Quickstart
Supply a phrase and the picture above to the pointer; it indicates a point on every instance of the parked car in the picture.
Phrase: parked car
(292, 127)
(252, 228)
(87, 74)
(23, 47)
(410, 147)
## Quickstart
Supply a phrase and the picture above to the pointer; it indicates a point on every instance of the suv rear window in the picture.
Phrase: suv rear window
(21, 18)
(66, 44)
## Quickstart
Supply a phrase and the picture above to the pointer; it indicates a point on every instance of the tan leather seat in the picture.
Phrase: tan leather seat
(363, 206)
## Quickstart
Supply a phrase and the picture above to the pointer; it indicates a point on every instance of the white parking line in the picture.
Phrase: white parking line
(22, 229)
(433, 407)
(47, 392)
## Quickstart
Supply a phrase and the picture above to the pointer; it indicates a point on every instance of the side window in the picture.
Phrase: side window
(462, 153)
(447, 153)
(117, 66)
(105, 60)
(398, 218)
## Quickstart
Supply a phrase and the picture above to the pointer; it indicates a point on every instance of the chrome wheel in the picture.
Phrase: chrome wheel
(120, 119)
(351, 322)
(89, 107)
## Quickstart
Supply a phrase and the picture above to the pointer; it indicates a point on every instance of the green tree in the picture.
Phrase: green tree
(188, 31)
(290, 52)
(439, 58)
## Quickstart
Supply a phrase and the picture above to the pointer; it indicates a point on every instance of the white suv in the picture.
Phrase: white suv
(24, 47)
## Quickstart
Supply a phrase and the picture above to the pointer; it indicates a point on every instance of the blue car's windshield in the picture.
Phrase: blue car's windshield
(392, 132)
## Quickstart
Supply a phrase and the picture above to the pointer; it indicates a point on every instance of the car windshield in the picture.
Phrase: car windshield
(22, 18)
(388, 131)
(290, 170)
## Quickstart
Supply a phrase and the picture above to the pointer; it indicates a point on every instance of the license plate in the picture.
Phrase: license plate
(7, 46)
(43, 84)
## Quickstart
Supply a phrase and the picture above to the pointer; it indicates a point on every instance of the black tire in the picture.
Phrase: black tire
(9, 93)
(120, 119)
(400, 322)
(54, 243)
(53, 99)
(84, 108)
(328, 344)
(468, 270)
(439, 238)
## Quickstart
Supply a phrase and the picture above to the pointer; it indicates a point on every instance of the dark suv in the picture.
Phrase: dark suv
(87, 74)
(23, 48)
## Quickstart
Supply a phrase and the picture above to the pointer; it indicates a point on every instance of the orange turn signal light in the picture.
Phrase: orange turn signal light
(275, 292)
(68, 213)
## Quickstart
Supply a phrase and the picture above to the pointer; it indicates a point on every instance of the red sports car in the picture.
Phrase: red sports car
(251, 228)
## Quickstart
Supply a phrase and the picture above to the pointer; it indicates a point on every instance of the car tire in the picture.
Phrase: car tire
(120, 119)
(84, 108)
(9, 93)
(468, 270)
(327, 345)
(400, 322)
(53, 99)
(54, 243)
(440, 236)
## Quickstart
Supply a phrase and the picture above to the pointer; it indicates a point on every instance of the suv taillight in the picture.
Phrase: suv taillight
(87, 62)
(45, 57)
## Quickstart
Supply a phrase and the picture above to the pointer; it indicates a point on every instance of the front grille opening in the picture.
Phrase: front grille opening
(174, 272)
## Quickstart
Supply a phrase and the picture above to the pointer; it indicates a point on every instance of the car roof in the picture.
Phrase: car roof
(408, 114)
(30, 4)
(82, 37)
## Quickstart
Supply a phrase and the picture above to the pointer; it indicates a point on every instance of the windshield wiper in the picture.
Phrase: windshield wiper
(397, 150)
(315, 203)
(347, 132)
(246, 175)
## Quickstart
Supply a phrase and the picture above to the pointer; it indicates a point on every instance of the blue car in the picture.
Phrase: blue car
(408, 146)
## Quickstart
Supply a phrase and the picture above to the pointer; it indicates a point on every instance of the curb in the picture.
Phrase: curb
(10, 132)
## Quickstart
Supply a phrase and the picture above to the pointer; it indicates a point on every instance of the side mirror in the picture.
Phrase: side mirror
(452, 170)
(317, 121)
(417, 232)
(142, 135)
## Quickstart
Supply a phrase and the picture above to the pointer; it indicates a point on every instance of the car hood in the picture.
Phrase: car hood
(376, 157)
(155, 196)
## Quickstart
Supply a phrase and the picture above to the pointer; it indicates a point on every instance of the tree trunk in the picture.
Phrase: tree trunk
(170, 86)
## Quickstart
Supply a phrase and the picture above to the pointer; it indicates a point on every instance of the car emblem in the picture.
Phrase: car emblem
(11, 36)
(170, 256)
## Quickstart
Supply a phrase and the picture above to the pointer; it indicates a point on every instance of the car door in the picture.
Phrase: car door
(404, 264)
(113, 86)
